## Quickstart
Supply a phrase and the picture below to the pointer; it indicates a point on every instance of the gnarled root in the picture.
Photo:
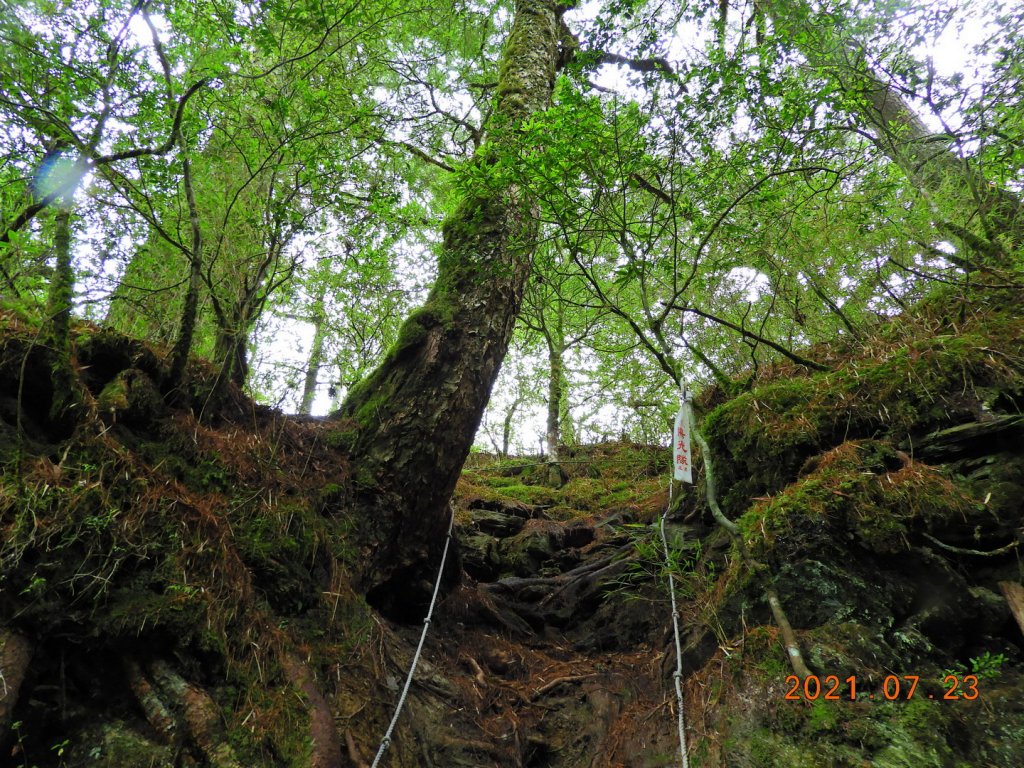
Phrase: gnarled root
(15, 656)
(326, 745)
(190, 710)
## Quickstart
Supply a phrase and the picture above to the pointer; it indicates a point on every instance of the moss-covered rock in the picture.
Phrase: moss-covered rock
(762, 438)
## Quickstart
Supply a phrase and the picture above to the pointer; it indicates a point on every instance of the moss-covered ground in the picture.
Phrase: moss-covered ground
(889, 567)
(159, 529)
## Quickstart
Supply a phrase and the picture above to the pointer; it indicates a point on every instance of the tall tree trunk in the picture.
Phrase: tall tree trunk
(556, 398)
(556, 381)
(316, 358)
(414, 417)
(928, 159)
(59, 301)
(190, 311)
(506, 427)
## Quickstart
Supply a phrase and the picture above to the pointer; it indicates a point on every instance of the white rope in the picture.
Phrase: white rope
(678, 674)
(386, 741)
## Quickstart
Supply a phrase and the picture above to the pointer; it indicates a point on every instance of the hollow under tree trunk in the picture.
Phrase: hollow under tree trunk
(416, 415)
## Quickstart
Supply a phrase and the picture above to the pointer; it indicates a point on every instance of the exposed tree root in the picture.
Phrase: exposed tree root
(326, 745)
(555, 600)
(157, 713)
(198, 713)
(15, 656)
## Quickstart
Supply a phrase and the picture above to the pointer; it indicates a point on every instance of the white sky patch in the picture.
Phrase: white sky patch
(752, 283)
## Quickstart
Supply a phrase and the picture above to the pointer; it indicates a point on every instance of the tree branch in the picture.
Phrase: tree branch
(168, 145)
(417, 152)
(654, 64)
(755, 337)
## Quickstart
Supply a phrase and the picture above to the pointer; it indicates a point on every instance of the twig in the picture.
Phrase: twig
(976, 552)
(557, 682)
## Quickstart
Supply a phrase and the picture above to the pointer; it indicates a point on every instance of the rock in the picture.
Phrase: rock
(503, 504)
(525, 553)
(480, 556)
(975, 438)
(500, 524)
(819, 593)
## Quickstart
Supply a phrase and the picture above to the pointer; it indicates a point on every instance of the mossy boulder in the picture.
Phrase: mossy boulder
(861, 494)
(132, 398)
(762, 438)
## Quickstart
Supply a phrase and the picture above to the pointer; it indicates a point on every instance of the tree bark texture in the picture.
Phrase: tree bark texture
(59, 301)
(416, 415)
(316, 357)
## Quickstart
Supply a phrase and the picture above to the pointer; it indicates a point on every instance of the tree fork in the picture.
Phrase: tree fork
(415, 416)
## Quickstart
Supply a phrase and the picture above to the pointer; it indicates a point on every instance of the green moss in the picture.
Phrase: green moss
(535, 495)
(762, 438)
(851, 495)
(117, 745)
(114, 396)
(341, 438)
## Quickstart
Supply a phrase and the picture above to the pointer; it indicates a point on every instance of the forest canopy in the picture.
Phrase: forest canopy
(713, 186)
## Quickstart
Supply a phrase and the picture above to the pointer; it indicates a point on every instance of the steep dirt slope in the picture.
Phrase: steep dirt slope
(176, 583)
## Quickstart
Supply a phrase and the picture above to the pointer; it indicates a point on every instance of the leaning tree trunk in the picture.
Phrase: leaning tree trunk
(414, 418)
(927, 159)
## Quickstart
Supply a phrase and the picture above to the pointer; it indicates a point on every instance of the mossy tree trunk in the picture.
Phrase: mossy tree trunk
(59, 302)
(232, 354)
(190, 309)
(316, 355)
(416, 415)
(556, 396)
(557, 413)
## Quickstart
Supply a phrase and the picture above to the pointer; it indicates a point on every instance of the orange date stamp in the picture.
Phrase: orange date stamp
(894, 688)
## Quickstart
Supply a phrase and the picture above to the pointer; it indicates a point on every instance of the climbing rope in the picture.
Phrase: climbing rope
(386, 741)
(677, 676)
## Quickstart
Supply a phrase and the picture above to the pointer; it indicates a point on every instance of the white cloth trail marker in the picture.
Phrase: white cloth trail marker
(682, 459)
